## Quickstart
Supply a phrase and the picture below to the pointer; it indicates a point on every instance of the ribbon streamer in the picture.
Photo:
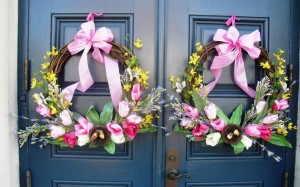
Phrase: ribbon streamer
(231, 50)
(86, 39)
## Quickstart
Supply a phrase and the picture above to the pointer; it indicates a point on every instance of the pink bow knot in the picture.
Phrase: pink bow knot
(86, 39)
(231, 50)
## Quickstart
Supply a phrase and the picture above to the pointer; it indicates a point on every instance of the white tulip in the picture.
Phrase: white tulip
(118, 139)
(247, 142)
(213, 138)
(260, 106)
(83, 139)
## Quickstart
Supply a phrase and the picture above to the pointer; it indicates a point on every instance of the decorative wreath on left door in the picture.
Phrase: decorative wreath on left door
(134, 109)
(202, 120)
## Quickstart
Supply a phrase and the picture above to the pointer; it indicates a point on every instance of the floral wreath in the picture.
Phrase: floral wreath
(202, 120)
(134, 110)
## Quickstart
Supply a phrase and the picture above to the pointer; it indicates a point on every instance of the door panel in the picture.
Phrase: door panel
(55, 23)
(199, 20)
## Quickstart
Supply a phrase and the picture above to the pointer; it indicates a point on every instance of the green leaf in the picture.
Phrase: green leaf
(93, 116)
(76, 115)
(92, 145)
(279, 140)
(199, 68)
(238, 147)
(200, 102)
(221, 114)
(110, 147)
(177, 129)
(146, 130)
(262, 114)
(107, 113)
(236, 116)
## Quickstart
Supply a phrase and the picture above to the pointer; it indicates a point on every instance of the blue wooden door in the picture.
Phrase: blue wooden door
(169, 30)
(55, 22)
(188, 22)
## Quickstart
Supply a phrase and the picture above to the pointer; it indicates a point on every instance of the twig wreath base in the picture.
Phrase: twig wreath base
(134, 113)
(201, 120)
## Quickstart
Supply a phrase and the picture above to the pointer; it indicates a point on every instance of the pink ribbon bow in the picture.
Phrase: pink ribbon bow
(231, 50)
(84, 40)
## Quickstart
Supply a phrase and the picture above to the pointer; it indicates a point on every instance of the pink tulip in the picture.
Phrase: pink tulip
(280, 105)
(219, 124)
(123, 108)
(43, 110)
(191, 111)
(270, 119)
(211, 111)
(115, 128)
(56, 131)
(83, 127)
(65, 117)
(260, 131)
(136, 92)
(130, 129)
(200, 131)
(134, 119)
(186, 122)
(70, 138)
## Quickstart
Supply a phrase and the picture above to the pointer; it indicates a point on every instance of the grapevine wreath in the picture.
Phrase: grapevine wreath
(202, 120)
(134, 109)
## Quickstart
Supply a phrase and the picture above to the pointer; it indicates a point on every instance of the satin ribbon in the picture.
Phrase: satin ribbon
(86, 39)
(231, 21)
(91, 16)
(231, 50)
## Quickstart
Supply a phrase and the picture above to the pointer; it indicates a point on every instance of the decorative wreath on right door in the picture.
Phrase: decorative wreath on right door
(202, 120)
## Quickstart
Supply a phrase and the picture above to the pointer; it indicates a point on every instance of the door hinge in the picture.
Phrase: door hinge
(28, 178)
(26, 75)
(285, 179)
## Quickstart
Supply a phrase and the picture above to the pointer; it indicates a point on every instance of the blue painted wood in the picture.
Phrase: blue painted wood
(188, 22)
(55, 23)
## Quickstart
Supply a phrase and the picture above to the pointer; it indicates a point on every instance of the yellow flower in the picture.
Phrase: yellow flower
(53, 109)
(194, 58)
(143, 77)
(138, 43)
(198, 80)
(126, 54)
(265, 65)
(45, 57)
(199, 47)
(33, 82)
(282, 131)
(67, 104)
(286, 95)
(45, 65)
(280, 71)
(286, 79)
(48, 53)
(54, 52)
(192, 71)
(291, 127)
(127, 87)
(148, 119)
(50, 76)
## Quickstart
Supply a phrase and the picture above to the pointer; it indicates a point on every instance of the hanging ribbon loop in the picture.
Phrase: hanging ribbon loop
(231, 50)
